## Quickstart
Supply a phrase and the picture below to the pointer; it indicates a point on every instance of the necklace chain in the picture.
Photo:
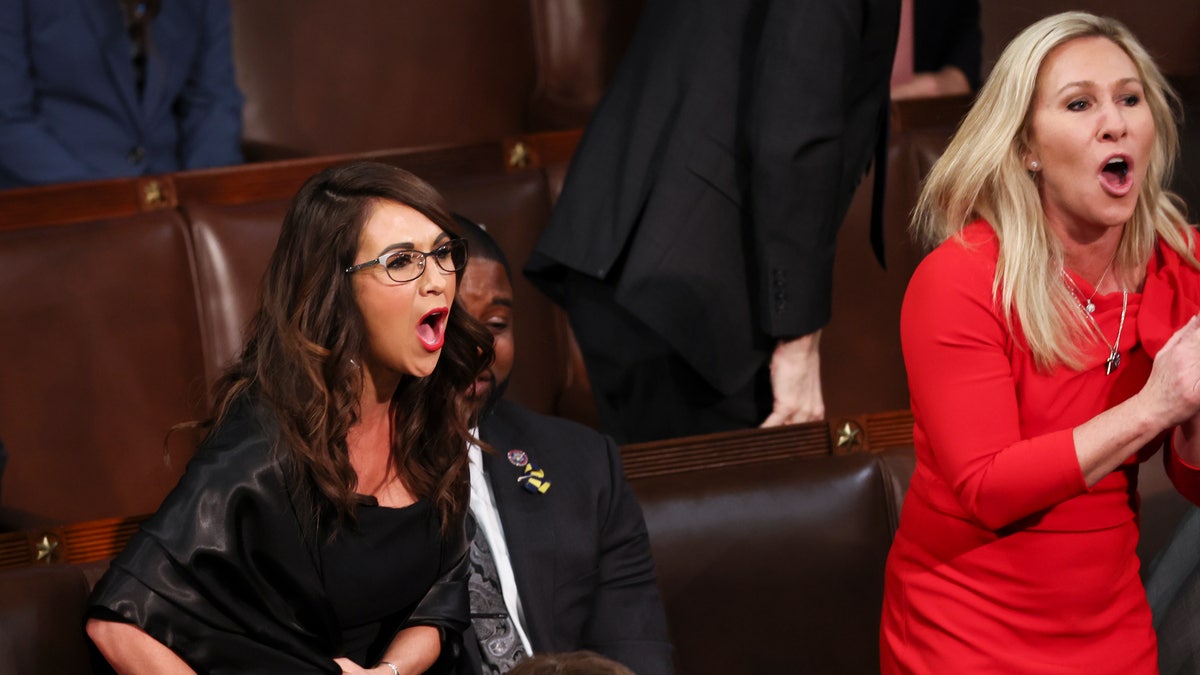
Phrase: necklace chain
(1114, 354)
(1090, 306)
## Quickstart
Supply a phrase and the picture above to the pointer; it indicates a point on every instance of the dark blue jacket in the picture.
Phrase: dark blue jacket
(69, 108)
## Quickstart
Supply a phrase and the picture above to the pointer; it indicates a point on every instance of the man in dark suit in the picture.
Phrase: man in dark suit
(558, 515)
(693, 242)
(105, 88)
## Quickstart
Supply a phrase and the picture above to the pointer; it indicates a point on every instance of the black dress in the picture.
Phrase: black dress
(377, 573)
(228, 576)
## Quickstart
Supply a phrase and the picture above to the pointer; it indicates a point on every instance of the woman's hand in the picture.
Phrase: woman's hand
(1171, 396)
(1180, 380)
(412, 651)
(1173, 389)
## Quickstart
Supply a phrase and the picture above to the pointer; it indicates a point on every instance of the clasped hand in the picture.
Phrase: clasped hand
(1174, 384)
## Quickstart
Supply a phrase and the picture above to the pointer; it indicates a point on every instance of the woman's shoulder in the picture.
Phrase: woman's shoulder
(240, 446)
(1166, 252)
(966, 259)
(245, 422)
(975, 242)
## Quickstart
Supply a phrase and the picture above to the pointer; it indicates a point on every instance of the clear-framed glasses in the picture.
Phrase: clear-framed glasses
(406, 264)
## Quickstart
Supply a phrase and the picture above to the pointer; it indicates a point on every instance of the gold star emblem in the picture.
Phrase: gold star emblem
(847, 435)
(519, 155)
(46, 548)
(152, 193)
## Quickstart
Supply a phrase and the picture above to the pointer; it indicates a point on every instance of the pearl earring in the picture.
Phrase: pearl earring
(1034, 166)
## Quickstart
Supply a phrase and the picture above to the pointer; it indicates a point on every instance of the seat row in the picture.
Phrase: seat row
(122, 300)
(769, 546)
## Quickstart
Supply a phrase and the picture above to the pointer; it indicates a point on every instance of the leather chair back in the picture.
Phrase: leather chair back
(100, 356)
(41, 620)
(772, 567)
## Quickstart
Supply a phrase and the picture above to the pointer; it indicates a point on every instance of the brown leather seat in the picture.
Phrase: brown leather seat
(233, 244)
(101, 354)
(41, 620)
(414, 74)
(773, 567)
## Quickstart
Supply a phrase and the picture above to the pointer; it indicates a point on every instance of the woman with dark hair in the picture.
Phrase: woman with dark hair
(320, 526)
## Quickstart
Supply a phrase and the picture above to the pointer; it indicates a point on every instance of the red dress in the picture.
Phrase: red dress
(1005, 561)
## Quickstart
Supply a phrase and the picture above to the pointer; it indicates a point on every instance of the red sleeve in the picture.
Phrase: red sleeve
(1171, 296)
(957, 349)
(1184, 476)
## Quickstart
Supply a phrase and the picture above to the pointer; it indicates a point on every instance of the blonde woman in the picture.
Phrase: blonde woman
(1051, 345)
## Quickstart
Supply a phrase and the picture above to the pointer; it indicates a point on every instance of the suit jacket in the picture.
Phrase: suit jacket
(710, 184)
(580, 552)
(69, 108)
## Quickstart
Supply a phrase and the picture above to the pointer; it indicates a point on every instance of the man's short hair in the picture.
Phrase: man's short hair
(481, 244)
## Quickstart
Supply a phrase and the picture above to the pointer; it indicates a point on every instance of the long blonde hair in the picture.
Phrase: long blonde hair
(982, 175)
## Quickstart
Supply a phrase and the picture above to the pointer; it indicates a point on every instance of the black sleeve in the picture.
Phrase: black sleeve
(629, 624)
(221, 574)
(803, 117)
(447, 605)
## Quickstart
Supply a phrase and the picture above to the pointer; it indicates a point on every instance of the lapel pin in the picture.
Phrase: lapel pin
(518, 457)
(534, 480)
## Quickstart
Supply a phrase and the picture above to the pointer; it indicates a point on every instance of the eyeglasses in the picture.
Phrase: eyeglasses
(406, 264)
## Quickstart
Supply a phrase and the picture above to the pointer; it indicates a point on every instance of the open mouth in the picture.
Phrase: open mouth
(1116, 175)
(431, 329)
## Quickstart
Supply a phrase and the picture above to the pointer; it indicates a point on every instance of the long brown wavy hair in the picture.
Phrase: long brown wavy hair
(298, 359)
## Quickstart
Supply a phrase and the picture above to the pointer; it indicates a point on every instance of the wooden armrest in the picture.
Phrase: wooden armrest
(76, 543)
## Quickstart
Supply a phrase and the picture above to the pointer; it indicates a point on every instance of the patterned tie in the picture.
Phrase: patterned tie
(499, 645)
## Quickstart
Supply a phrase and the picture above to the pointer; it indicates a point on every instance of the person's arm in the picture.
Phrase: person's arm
(223, 573)
(962, 386)
(210, 107)
(1170, 397)
(961, 383)
(433, 631)
(628, 623)
(129, 650)
(1181, 458)
(947, 81)
(798, 133)
(30, 153)
(411, 652)
(795, 125)
(796, 381)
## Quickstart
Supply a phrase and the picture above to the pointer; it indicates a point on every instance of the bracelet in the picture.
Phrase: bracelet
(389, 664)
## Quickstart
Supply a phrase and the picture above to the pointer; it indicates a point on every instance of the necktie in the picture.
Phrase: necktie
(138, 15)
(500, 647)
